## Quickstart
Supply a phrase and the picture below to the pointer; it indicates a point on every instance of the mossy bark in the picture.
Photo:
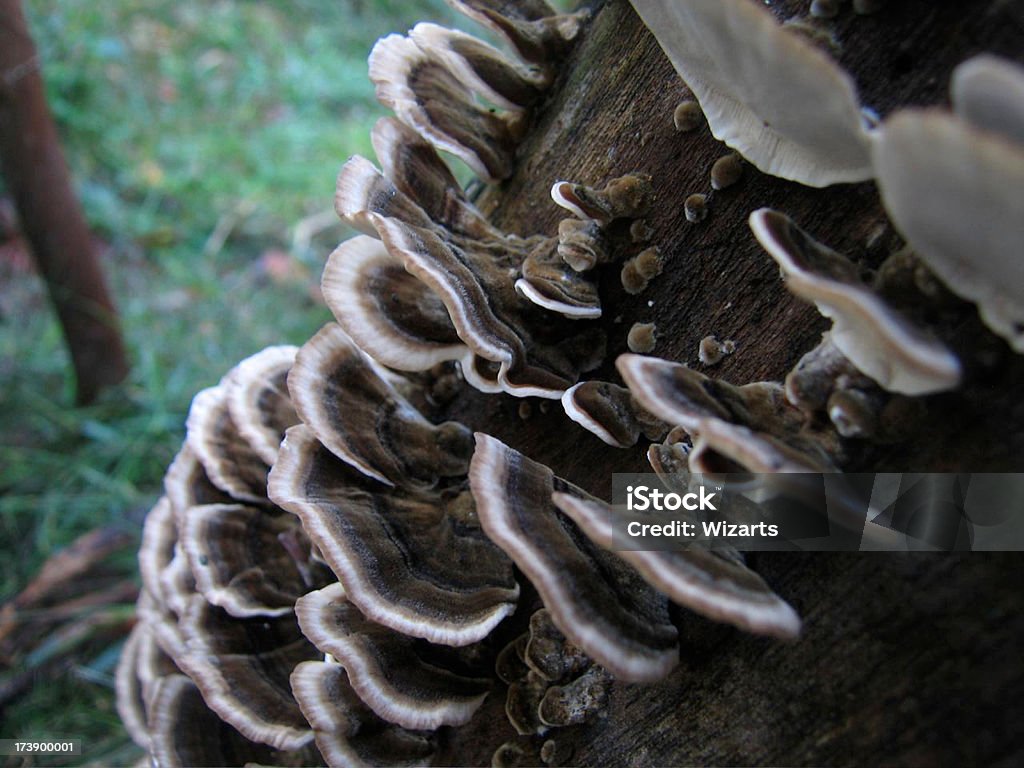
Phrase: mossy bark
(906, 659)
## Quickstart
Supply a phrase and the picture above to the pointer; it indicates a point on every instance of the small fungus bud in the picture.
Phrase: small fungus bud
(687, 116)
(648, 263)
(696, 208)
(825, 9)
(712, 351)
(726, 171)
(641, 337)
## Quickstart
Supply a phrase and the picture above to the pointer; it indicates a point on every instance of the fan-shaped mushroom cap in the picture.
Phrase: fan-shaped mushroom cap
(481, 67)
(475, 282)
(140, 666)
(187, 485)
(721, 447)
(717, 587)
(609, 411)
(549, 282)
(785, 105)
(186, 733)
(159, 535)
(242, 665)
(957, 194)
(238, 561)
(415, 561)
(425, 95)
(599, 602)
(347, 732)
(258, 399)
(533, 28)
(230, 462)
(389, 313)
(878, 340)
(681, 396)
(625, 197)
(402, 680)
(364, 420)
(988, 92)
(414, 167)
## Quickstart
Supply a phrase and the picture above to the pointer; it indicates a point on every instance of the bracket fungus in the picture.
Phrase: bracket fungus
(393, 549)
(878, 340)
(956, 192)
(703, 580)
(411, 684)
(366, 591)
(782, 103)
(610, 412)
(595, 599)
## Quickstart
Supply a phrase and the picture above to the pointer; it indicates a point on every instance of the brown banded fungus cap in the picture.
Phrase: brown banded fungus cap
(414, 560)
(773, 96)
(347, 732)
(599, 602)
(714, 586)
(186, 733)
(404, 681)
(751, 427)
(388, 312)
(240, 561)
(879, 341)
(357, 414)
(610, 412)
(418, 86)
(242, 666)
(481, 67)
(258, 399)
(230, 462)
(956, 192)
(538, 34)
(474, 279)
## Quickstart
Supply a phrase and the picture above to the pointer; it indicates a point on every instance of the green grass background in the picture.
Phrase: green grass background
(198, 133)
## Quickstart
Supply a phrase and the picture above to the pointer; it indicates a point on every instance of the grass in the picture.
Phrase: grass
(198, 134)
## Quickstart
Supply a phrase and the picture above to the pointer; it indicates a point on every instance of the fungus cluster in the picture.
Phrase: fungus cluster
(338, 572)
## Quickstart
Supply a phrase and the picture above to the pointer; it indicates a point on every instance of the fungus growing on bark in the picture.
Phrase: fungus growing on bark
(610, 412)
(392, 548)
(595, 599)
(347, 732)
(404, 682)
(695, 208)
(427, 96)
(956, 192)
(778, 100)
(703, 580)
(389, 313)
(641, 337)
(726, 171)
(878, 340)
(535, 30)
(626, 197)
(988, 92)
(363, 420)
(750, 427)
(712, 351)
(687, 116)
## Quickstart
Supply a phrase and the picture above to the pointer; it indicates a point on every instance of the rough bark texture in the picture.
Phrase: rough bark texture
(909, 660)
(37, 178)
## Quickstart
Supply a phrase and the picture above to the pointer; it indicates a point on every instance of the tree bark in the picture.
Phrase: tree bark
(38, 180)
(906, 659)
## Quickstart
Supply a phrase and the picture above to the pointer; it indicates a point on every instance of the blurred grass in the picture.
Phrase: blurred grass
(198, 133)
